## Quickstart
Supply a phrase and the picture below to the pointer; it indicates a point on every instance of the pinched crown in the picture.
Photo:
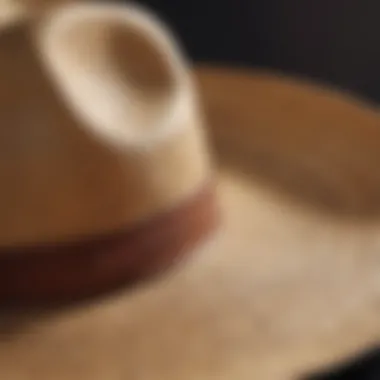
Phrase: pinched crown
(99, 126)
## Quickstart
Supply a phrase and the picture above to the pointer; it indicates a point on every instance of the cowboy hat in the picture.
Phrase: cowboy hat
(104, 152)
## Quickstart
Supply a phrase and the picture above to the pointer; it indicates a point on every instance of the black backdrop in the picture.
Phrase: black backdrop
(332, 40)
(336, 41)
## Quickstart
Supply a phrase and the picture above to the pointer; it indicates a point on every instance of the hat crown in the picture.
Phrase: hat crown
(118, 69)
(99, 127)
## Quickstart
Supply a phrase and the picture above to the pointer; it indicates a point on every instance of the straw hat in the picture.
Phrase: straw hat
(107, 177)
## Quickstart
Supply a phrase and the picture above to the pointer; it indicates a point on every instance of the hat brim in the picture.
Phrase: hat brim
(288, 285)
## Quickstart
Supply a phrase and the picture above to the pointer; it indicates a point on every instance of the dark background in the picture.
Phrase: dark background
(334, 41)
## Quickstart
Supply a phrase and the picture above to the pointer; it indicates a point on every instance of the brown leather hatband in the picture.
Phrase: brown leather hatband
(63, 273)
